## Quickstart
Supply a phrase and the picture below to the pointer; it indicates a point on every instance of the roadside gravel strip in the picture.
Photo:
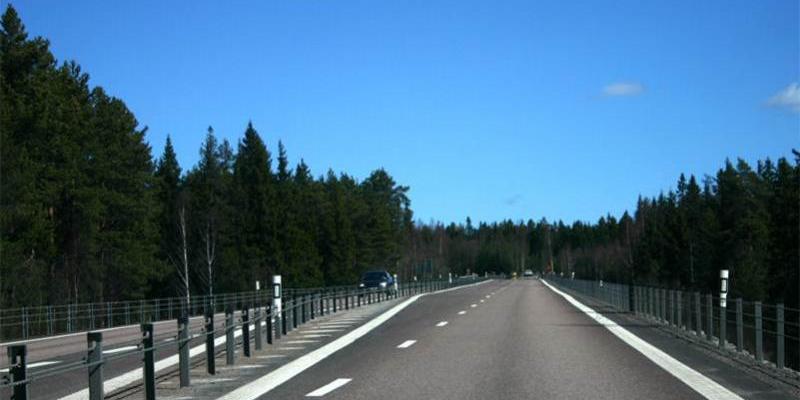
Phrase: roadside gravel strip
(695, 380)
(261, 386)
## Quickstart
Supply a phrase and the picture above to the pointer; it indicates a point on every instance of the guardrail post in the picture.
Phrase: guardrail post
(183, 349)
(698, 319)
(759, 332)
(246, 331)
(210, 367)
(304, 303)
(679, 306)
(322, 303)
(17, 355)
(656, 304)
(710, 317)
(347, 299)
(69, 318)
(664, 306)
(259, 336)
(230, 350)
(312, 304)
(335, 300)
(277, 316)
(268, 316)
(671, 315)
(149, 361)
(723, 326)
(779, 320)
(739, 326)
(94, 358)
(294, 312)
(283, 320)
(49, 320)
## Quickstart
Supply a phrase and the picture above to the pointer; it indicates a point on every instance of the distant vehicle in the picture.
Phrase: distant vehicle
(378, 279)
(527, 274)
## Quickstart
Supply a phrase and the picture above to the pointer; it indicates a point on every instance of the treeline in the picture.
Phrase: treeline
(89, 215)
(743, 219)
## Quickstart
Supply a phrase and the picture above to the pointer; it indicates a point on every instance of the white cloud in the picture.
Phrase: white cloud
(788, 98)
(623, 89)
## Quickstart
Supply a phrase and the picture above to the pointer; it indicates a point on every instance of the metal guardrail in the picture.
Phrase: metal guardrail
(766, 333)
(268, 326)
(24, 323)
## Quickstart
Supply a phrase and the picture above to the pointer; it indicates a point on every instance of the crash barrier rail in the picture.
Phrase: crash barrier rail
(239, 315)
(766, 333)
(23, 323)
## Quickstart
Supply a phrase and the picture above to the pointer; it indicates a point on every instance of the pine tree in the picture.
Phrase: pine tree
(253, 186)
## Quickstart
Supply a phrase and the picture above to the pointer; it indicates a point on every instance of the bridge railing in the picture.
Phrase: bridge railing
(250, 323)
(767, 335)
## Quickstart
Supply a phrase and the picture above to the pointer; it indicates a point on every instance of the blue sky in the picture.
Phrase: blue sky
(494, 110)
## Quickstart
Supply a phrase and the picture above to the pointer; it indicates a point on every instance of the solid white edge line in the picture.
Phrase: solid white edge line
(695, 380)
(329, 387)
(266, 383)
(406, 344)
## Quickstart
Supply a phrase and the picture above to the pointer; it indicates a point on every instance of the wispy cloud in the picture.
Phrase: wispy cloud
(623, 89)
(788, 98)
(513, 200)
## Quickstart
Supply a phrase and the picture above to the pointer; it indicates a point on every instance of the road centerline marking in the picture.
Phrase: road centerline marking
(329, 387)
(406, 344)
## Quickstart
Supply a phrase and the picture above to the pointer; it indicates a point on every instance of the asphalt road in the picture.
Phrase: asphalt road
(496, 340)
(520, 340)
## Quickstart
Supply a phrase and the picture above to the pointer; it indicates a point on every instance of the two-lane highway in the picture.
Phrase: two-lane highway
(503, 340)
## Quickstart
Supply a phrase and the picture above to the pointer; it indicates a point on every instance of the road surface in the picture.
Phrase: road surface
(497, 340)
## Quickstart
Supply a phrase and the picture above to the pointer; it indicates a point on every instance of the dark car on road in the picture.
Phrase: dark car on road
(377, 280)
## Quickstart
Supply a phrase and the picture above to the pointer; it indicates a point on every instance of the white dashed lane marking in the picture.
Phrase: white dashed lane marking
(473, 305)
(406, 344)
(462, 312)
(441, 324)
(329, 387)
(322, 330)
(42, 364)
(119, 350)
